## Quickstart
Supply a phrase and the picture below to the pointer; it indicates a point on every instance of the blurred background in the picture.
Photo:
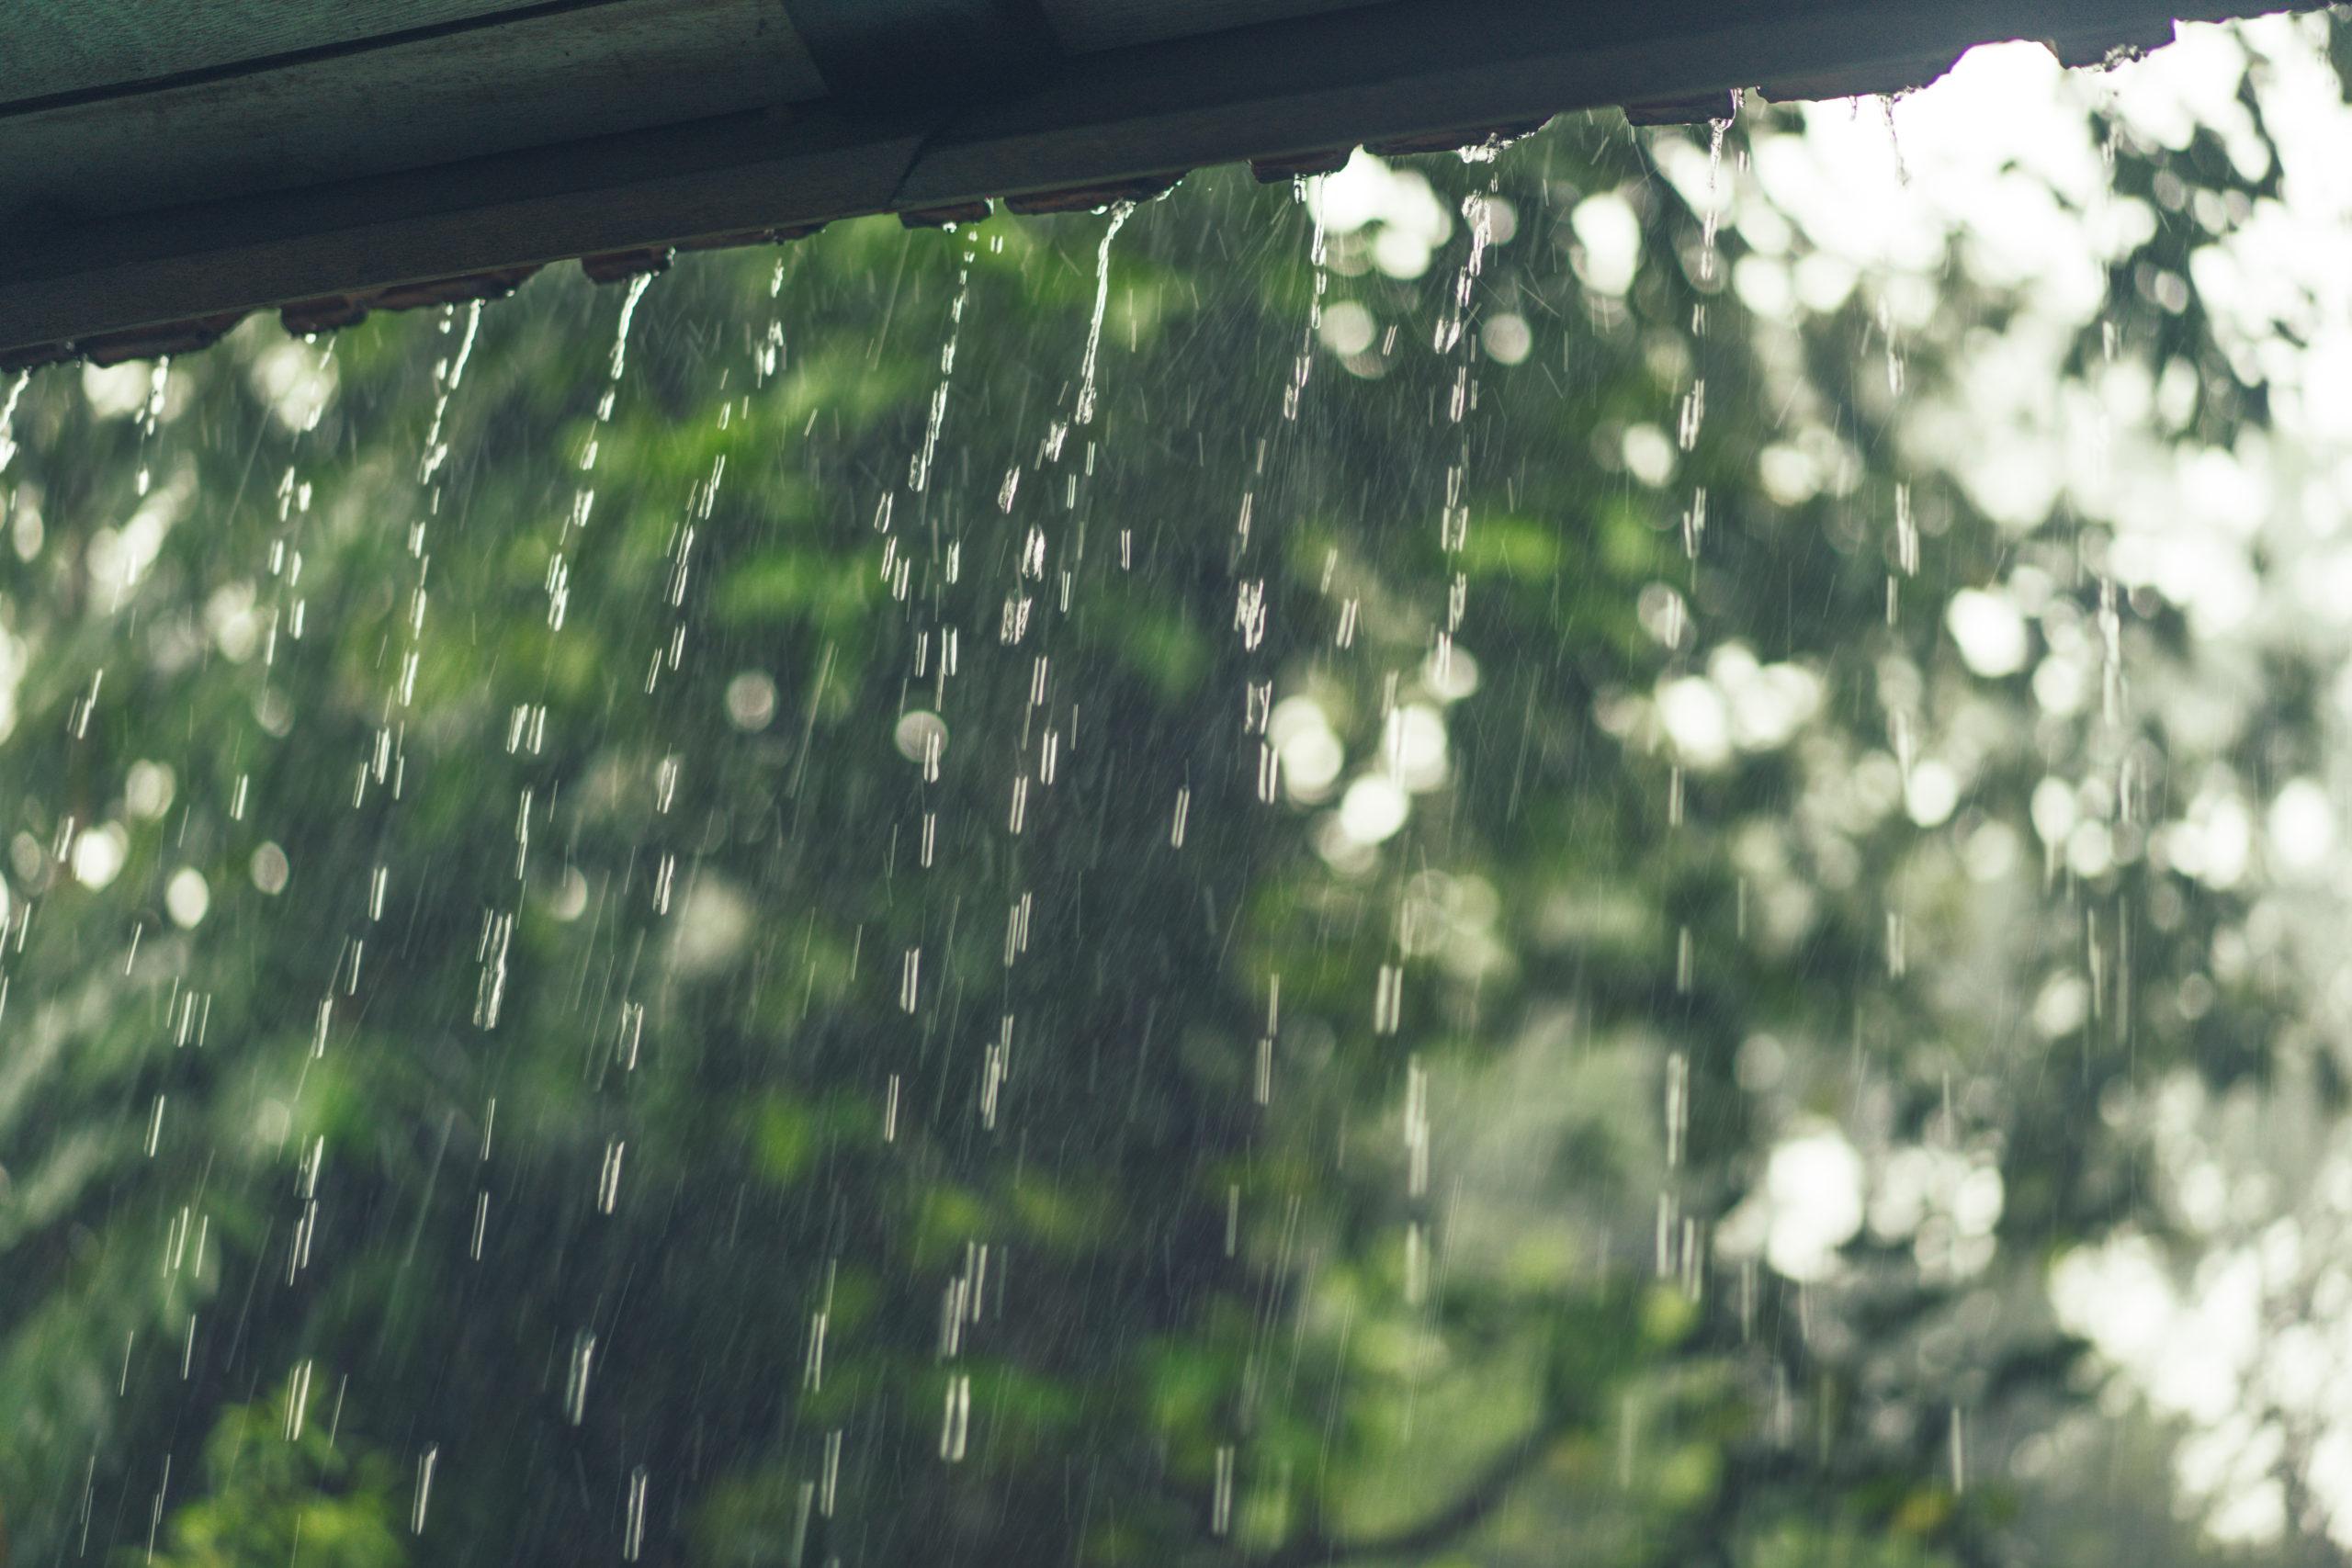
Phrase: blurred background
(1622, 851)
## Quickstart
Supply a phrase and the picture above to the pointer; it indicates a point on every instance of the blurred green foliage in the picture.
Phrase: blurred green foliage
(743, 1236)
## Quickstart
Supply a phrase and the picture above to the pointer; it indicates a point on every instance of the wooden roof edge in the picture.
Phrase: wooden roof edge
(1287, 97)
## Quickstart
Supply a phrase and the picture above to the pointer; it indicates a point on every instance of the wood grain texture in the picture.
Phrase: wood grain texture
(48, 47)
(535, 82)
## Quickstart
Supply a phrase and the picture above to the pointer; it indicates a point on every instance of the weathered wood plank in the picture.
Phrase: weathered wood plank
(53, 46)
(534, 82)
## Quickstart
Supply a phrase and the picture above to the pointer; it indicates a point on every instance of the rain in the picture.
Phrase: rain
(1621, 845)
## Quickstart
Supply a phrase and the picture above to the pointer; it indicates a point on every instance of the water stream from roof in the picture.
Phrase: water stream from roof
(984, 948)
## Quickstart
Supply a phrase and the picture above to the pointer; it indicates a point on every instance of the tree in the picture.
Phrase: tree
(706, 924)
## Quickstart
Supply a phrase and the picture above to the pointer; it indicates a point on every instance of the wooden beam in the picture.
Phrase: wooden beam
(717, 177)
(546, 79)
(914, 51)
(1404, 69)
(52, 49)
(1090, 26)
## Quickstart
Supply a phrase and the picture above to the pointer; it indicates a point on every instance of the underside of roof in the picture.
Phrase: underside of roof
(168, 166)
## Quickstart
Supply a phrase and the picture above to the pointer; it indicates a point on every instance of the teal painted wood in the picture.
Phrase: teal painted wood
(51, 47)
